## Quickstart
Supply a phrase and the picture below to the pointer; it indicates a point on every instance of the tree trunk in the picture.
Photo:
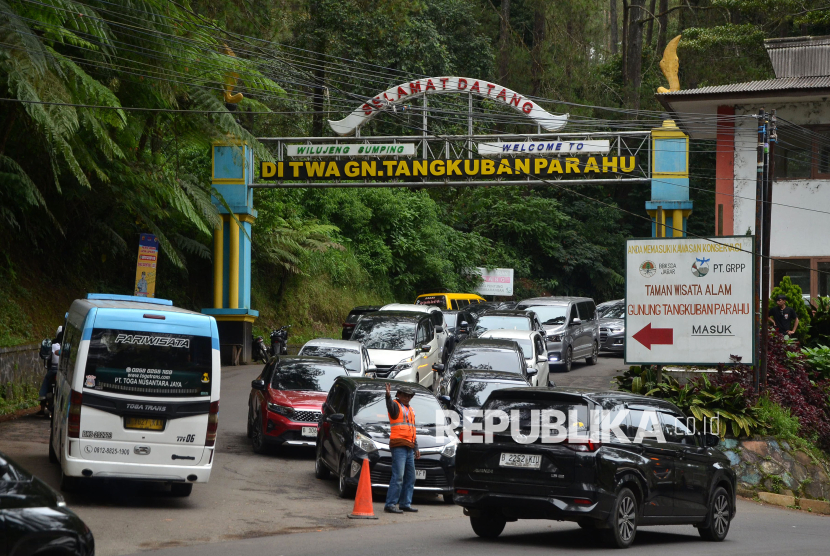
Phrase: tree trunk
(504, 41)
(615, 30)
(663, 21)
(625, 39)
(650, 30)
(539, 31)
(634, 53)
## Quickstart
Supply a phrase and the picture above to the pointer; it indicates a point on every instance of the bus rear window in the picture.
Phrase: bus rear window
(439, 300)
(148, 363)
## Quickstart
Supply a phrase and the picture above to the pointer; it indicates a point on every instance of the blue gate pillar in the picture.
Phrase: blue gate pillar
(231, 175)
(669, 206)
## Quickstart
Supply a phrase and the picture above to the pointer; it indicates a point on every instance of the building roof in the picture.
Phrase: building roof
(786, 83)
(799, 56)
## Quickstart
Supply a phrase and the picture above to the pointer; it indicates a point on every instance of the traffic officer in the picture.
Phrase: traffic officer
(403, 442)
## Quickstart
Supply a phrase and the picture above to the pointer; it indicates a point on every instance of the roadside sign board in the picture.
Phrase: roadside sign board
(496, 281)
(689, 301)
(145, 267)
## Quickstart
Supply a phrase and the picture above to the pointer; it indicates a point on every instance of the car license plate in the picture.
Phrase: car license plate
(144, 424)
(309, 431)
(420, 474)
(528, 461)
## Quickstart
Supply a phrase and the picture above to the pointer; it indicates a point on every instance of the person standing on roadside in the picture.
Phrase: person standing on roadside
(784, 318)
(403, 442)
(51, 371)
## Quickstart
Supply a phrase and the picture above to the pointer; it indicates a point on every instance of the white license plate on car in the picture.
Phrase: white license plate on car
(309, 431)
(529, 461)
(420, 474)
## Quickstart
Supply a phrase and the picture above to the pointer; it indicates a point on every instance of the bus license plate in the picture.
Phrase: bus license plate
(420, 474)
(528, 461)
(309, 431)
(142, 423)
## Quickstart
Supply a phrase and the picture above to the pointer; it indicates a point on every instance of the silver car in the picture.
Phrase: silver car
(352, 355)
(612, 327)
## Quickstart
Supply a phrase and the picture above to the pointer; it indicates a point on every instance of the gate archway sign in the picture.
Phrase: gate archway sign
(447, 85)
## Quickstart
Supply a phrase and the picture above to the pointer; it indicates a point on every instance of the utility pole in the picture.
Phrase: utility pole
(759, 210)
(766, 229)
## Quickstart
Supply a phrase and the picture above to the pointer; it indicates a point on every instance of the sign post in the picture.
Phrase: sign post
(145, 267)
(496, 281)
(689, 301)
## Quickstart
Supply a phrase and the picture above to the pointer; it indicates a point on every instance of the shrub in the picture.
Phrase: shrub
(779, 421)
(796, 301)
(818, 358)
(820, 321)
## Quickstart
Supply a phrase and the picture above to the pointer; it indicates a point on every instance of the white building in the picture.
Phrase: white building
(801, 191)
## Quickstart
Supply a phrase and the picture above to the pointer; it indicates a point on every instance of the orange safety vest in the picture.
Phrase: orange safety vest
(403, 428)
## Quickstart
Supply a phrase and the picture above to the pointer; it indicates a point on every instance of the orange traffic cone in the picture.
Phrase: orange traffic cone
(363, 500)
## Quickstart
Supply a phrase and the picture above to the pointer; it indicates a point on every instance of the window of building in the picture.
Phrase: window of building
(802, 154)
(796, 269)
(823, 279)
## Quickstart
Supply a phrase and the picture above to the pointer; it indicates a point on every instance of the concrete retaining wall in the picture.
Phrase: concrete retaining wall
(20, 365)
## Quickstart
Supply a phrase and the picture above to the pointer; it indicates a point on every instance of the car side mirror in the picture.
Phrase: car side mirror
(444, 399)
(711, 440)
(531, 371)
(438, 367)
(337, 417)
(541, 358)
(575, 322)
(464, 324)
(439, 329)
(258, 384)
(371, 369)
(426, 348)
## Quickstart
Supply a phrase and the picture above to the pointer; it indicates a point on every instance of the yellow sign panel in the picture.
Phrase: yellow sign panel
(145, 268)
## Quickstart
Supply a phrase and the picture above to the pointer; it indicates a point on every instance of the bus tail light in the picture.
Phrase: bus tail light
(74, 420)
(213, 424)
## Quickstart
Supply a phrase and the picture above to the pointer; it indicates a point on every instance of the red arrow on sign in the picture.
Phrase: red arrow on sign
(649, 336)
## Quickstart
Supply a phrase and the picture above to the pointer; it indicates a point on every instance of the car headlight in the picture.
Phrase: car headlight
(60, 502)
(402, 365)
(364, 442)
(555, 338)
(281, 409)
(449, 450)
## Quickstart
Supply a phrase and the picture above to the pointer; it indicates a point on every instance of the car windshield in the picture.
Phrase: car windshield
(550, 314)
(496, 322)
(306, 376)
(475, 392)
(614, 312)
(450, 319)
(485, 360)
(524, 410)
(348, 357)
(370, 408)
(390, 334)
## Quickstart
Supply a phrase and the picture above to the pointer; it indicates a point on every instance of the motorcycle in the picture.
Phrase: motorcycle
(259, 353)
(46, 355)
(279, 341)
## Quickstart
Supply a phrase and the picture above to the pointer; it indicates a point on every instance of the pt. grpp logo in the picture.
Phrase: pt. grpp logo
(648, 269)
(700, 267)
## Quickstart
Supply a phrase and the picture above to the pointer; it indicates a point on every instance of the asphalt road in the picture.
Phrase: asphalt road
(259, 502)
(756, 530)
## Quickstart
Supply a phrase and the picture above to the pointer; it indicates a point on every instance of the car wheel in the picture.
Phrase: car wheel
(718, 518)
(250, 424)
(320, 469)
(343, 489)
(258, 442)
(68, 484)
(448, 499)
(181, 490)
(594, 355)
(53, 457)
(623, 523)
(569, 359)
(417, 378)
(488, 526)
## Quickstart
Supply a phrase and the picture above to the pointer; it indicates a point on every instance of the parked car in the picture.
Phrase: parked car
(449, 301)
(613, 486)
(612, 328)
(533, 349)
(402, 344)
(571, 326)
(353, 316)
(484, 355)
(459, 324)
(285, 400)
(351, 354)
(499, 319)
(435, 314)
(469, 389)
(34, 518)
(606, 305)
(483, 307)
(355, 426)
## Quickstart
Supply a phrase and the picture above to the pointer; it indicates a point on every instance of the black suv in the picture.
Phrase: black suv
(352, 318)
(614, 487)
(483, 354)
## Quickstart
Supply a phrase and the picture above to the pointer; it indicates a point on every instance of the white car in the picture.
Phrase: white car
(401, 344)
(352, 355)
(533, 348)
(435, 315)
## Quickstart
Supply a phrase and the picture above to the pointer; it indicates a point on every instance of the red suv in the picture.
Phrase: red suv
(286, 400)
